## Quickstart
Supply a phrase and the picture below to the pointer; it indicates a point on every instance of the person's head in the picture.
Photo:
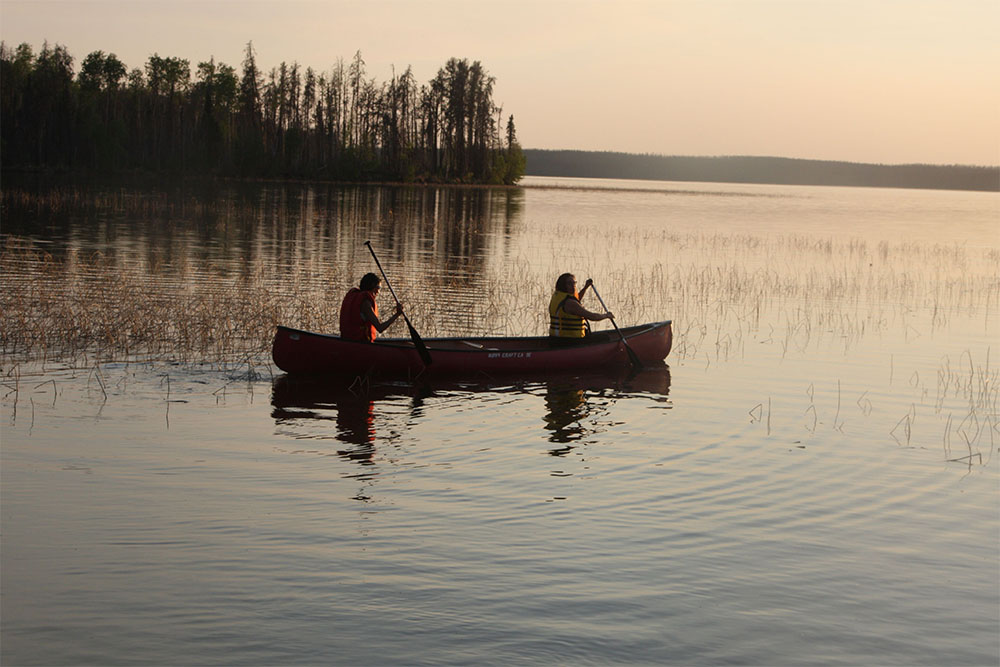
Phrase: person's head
(370, 282)
(566, 283)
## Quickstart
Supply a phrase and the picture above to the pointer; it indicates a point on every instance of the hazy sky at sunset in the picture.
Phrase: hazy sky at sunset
(891, 81)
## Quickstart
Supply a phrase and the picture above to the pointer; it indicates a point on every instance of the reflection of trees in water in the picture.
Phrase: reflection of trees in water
(302, 243)
(435, 243)
(250, 227)
(417, 229)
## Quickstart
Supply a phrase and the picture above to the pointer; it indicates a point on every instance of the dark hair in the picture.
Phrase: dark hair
(562, 283)
(369, 282)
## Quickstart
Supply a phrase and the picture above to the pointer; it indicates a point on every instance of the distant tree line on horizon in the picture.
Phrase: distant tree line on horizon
(338, 125)
(744, 169)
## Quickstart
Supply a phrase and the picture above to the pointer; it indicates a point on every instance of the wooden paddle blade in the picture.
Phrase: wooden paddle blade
(418, 342)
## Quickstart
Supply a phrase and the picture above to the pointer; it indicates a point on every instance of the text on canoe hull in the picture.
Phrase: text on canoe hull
(509, 355)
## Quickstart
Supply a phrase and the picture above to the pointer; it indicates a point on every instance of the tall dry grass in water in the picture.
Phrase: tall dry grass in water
(721, 291)
(92, 306)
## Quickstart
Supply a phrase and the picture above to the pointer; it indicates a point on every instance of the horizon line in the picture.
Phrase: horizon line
(766, 157)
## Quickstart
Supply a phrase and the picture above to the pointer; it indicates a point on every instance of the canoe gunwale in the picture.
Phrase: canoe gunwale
(453, 344)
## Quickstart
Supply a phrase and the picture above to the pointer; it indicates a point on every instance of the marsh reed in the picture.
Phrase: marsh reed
(288, 255)
(75, 306)
(721, 291)
(206, 281)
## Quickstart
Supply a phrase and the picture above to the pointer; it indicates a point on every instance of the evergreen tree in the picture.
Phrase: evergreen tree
(339, 124)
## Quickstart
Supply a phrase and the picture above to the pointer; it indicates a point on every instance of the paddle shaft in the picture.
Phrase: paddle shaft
(417, 341)
(632, 356)
(384, 277)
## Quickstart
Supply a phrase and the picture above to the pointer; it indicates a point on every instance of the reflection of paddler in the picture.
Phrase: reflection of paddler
(356, 420)
(566, 407)
(307, 398)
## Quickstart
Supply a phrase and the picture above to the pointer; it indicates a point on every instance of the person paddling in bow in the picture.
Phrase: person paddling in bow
(567, 316)
(359, 311)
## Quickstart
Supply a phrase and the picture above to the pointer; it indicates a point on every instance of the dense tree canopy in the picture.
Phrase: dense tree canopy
(338, 124)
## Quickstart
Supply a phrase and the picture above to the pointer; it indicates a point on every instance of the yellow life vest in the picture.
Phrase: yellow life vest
(561, 323)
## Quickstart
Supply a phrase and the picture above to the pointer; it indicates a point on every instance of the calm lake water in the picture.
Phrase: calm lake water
(811, 478)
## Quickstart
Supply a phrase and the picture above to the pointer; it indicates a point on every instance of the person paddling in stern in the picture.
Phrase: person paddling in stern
(567, 316)
(359, 311)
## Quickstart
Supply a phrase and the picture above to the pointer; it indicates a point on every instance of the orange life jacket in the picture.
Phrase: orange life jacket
(352, 325)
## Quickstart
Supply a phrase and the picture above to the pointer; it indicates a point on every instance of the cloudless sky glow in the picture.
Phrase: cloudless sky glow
(886, 81)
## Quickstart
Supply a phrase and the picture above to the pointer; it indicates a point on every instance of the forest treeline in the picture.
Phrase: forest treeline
(288, 122)
(782, 171)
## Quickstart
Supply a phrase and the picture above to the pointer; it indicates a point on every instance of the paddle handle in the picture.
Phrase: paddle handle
(384, 277)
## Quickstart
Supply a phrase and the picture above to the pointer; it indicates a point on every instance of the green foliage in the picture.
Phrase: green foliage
(340, 124)
(516, 164)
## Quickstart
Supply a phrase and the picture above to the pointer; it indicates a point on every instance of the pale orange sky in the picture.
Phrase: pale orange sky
(890, 81)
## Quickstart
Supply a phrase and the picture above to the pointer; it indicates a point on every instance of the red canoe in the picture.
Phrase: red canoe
(296, 351)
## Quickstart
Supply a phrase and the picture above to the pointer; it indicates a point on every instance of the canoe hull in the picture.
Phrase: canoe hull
(297, 351)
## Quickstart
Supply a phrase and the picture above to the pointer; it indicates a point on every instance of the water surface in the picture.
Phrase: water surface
(810, 479)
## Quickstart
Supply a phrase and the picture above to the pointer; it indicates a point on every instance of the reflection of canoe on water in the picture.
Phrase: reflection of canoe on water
(310, 402)
(309, 396)
(296, 351)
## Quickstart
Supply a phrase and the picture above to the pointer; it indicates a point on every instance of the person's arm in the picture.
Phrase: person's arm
(368, 315)
(574, 307)
(586, 286)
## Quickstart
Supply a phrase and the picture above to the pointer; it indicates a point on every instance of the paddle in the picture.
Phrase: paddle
(632, 356)
(418, 342)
